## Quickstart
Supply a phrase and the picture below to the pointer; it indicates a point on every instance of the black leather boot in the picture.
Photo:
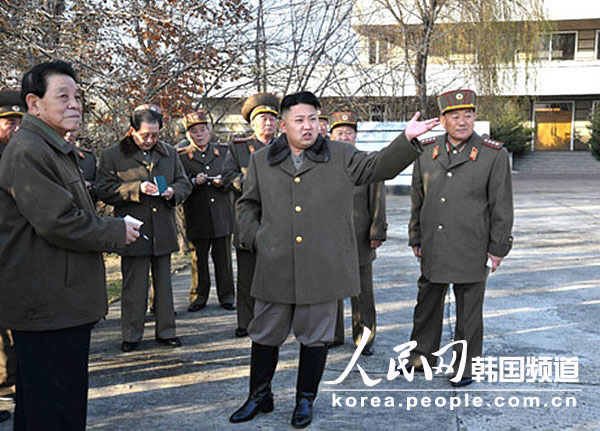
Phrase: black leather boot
(310, 371)
(263, 362)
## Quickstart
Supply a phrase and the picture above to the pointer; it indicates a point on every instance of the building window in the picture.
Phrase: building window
(597, 44)
(379, 50)
(559, 46)
(377, 112)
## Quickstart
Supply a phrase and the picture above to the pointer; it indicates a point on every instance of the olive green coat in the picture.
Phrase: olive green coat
(51, 265)
(461, 209)
(369, 219)
(123, 167)
(300, 223)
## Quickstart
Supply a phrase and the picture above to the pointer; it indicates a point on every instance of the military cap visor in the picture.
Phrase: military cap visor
(193, 118)
(260, 103)
(457, 99)
(10, 104)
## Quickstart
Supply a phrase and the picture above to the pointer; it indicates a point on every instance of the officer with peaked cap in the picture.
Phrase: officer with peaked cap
(461, 217)
(260, 111)
(208, 214)
(323, 123)
(11, 111)
(370, 227)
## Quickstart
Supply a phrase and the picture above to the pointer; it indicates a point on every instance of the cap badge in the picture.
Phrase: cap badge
(345, 117)
(16, 108)
(459, 96)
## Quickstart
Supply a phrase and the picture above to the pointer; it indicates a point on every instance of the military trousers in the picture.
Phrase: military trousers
(220, 251)
(245, 273)
(313, 324)
(429, 314)
(52, 379)
(363, 310)
(8, 362)
(134, 296)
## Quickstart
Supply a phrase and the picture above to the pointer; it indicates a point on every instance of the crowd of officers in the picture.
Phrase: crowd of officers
(145, 179)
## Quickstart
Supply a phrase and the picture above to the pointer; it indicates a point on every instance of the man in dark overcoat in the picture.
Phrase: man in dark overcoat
(260, 111)
(296, 216)
(208, 214)
(52, 282)
(371, 230)
(129, 176)
(461, 216)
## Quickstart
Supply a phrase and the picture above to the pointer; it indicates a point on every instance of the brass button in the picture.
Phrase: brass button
(298, 208)
(297, 180)
(299, 239)
(449, 174)
(440, 227)
(454, 152)
(154, 210)
(212, 199)
(443, 199)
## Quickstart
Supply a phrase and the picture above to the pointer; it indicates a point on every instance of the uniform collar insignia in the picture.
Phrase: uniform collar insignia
(473, 154)
(436, 152)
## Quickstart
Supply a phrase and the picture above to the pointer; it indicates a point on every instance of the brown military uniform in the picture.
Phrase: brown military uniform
(462, 209)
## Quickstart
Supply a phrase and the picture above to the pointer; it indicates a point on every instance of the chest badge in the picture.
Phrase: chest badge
(436, 152)
(473, 154)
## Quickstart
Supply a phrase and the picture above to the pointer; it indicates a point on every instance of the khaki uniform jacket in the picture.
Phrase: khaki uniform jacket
(123, 167)
(369, 219)
(51, 266)
(300, 223)
(208, 210)
(461, 210)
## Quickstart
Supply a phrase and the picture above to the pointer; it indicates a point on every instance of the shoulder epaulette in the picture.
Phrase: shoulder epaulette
(429, 141)
(86, 150)
(181, 149)
(496, 145)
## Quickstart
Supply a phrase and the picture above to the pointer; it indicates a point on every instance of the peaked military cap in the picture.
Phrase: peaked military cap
(323, 116)
(259, 104)
(10, 104)
(343, 118)
(193, 118)
(457, 99)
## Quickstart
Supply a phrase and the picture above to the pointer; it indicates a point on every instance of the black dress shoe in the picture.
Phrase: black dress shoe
(465, 381)
(228, 306)
(4, 415)
(261, 402)
(368, 350)
(171, 342)
(241, 332)
(195, 307)
(129, 346)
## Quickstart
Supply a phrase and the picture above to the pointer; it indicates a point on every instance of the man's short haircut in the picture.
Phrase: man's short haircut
(303, 97)
(36, 80)
(145, 116)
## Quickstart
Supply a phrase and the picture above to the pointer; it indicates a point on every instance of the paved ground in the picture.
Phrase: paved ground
(545, 301)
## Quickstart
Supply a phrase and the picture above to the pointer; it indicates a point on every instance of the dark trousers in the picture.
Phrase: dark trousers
(220, 251)
(363, 310)
(245, 302)
(429, 315)
(134, 296)
(52, 379)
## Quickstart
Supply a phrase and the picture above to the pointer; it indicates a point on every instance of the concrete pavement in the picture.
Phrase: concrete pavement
(543, 302)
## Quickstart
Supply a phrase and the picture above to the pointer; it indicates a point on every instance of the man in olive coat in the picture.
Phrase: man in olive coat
(461, 216)
(52, 285)
(260, 111)
(129, 176)
(371, 228)
(208, 214)
(296, 215)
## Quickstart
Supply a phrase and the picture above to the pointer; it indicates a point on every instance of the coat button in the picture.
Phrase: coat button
(298, 208)
(207, 167)
(443, 199)
(297, 180)
(299, 239)
(440, 227)
(212, 199)
(154, 210)
(449, 174)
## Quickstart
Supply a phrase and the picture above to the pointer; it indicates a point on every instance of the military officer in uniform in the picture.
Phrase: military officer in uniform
(323, 124)
(461, 217)
(371, 227)
(11, 112)
(260, 110)
(296, 215)
(208, 214)
(129, 176)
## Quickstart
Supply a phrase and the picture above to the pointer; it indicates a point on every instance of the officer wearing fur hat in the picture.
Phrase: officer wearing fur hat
(260, 111)
(461, 217)
(370, 227)
(208, 214)
(130, 177)
(11, 112)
